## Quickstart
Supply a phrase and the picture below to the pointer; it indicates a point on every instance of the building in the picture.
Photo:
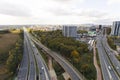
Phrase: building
(83, 28)
(100, 27)
(116, 28)
(70, 31)
(92, 33)
(92, 28)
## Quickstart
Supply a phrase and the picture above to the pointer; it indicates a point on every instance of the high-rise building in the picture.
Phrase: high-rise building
(70, 31)
(116, 28)
(100, 27)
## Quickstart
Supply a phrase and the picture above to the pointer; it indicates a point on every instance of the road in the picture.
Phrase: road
(107, 68)
(111, 55)
(42, 73)
(23, 69)
(64, 63)
(27, 70)
(32, 65)
(42, 67)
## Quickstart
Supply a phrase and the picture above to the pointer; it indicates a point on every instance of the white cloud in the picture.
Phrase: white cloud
(48, 12)
(113, 1)
(14, 10)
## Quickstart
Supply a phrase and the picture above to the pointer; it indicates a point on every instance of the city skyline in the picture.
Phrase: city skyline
(59, 11)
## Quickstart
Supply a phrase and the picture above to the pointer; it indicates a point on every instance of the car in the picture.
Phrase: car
(37, 77)
(40, 72)
(42, 68)
(109, 67)
(117, 67)
(33, 45)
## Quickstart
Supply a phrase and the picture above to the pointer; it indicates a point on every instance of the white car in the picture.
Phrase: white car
(33, 45)
(42, 68)
(117, 67)
(109, 67)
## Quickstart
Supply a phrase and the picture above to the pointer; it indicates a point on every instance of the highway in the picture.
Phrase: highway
(36, 62)
(107, 69)
(27, 70)
(23, 69)
(42, 67)
(32, 65)
(111, 55)
(74, 74)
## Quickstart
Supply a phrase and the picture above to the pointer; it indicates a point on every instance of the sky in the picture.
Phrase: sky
(59, 11)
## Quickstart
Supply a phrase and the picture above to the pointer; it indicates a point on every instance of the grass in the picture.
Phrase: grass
(16, 31)
(7, 41)
(118, 57)
(59, 70)
(97, 56)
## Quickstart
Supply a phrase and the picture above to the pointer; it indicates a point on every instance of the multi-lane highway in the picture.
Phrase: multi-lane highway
(111, 55)
(43, 72)
(28, 67)
(74, 74)
(107, 68)
(32, 64)
(23, 70)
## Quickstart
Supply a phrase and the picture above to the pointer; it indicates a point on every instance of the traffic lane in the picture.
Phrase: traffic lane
(44, 66)
(103, 67)
(32, 71)
(103, 58)
(41, 66)
(22, 73)
(113, 59)
(43, 70)
(112, 72)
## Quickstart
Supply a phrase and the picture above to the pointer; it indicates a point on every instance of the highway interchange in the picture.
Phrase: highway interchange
(74, 74)
(27, 70)
(33, 61)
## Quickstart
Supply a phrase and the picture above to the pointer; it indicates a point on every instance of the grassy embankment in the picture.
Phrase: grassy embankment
(8, 42)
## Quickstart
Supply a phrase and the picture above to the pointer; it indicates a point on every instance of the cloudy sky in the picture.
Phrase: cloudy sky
(59, 11)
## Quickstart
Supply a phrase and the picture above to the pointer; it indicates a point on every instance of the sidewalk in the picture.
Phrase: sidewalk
(99, 75)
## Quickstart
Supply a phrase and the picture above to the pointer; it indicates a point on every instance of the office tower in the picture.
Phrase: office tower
(70, 31)
(100, 27)
(116, 28)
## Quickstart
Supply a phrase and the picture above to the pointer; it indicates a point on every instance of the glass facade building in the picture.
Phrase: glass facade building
(116, 28)
(70, 31)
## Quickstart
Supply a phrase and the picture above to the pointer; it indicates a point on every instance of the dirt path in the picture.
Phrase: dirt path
(52, 71)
